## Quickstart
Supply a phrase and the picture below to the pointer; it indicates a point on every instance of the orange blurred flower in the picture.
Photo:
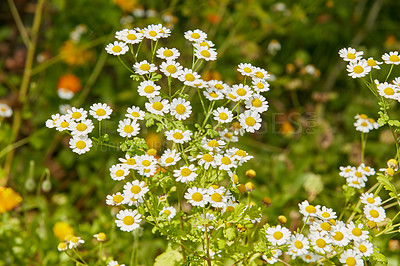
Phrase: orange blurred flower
(69, 82)
(211, 75)
(74, 54)
(287, 129)
(214, 18)
(8, 199)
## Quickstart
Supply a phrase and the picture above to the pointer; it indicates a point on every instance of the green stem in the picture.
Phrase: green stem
(125, 65)
(390, 71)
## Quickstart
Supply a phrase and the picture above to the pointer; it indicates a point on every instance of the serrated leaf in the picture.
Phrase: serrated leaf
(170, 257)
(379, 257)
(395, 123)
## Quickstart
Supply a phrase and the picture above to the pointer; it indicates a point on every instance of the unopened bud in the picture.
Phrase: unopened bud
(241, 188)
(251, 173)
(250, 186)
(152, 152)
(267, 201)
(390, 171)
(371, 224)
(282, 219)
(392, 163)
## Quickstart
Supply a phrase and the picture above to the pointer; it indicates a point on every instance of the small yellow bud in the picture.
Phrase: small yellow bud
(392, 163)
(389, 171)
(251, 173)
(101, 236)
(250, 186)
(241, 188)
(62, 246)
(371, 224)
(267, 201)
(214, 186)
(282, 219)
(152, 152)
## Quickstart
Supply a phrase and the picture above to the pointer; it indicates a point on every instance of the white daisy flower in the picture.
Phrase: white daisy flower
(240, 155)
(129, 36)
(117, 48)
(100, 111)
(135, 113)
(185, 174)
(212, 144)
(195, 36)
(225, 162)
(178, 136)
(346, 171)
(223, 115)
(131, 200)
(144, 67)
(157, 106)
(5, 110)
(128, 220)
(148, 89)
(299, 245)
(260, 73)
(188, 77)
(65, 94)
(206, 160)
(168, 53)
(213, 94)
(278, 235)
(75, 242)
(366, 170)
(350, 258)
(388, 91)
(63, 123)
(128, 128)
(115, 199)
(119, 172)
(79, 144)
(145, 162)
(320, 242)
(164, 31)
(356, 233)
(152, 32)
(180, 108)
(307, 209)
(217, 199)
(136, 189)
(170, 157)
(246, 69)
(81, 128)
(62, 246)
(396, 81)
(208, 54)
(340, 234)
(364, 248)
(391, 58)
(260, 85)
(51, 123)
(228, 136)
(242, 92)
(274, 258)
(114, 263)
(374, 213)
(77, 114)
(326, 214)
(370, 199)
(355, 182)
(200, 84)
(197, 196)
(257, 103)
(203, 43)
(363, 125)
(373, 63)
(321, 227)
(170, 212)
(128, 161)
(350, 54)
(171, 68)
(148, 171)
(358, 69)
(250, 121)
(311, 257)
(218, 85)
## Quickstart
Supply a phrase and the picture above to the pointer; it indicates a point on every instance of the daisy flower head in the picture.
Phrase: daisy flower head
(260, 85)
(311, 257)
(171, 68)
(240, 155)
(206, 160)
(228, 136)
(246, 69)
(136, 189)
(51, 123)
(274, 258)
(170, 157)
(131, 200)
(81, 128)
(178, 136)
(148, 89)
(100, 111)
(364, 248)
(144, 67)
(203, 43)
(260, 73)
(128, 220)
(65, 93)
(115, 199)
(350, 258)
(320, 242)
(75, 241)
(278, 235)
(134, 113)
(145, 162)
(250, 121)
(169, 212)
(119, 172)
(62, 246)
(218, 85)
(242, 92)
(217, 197)
(225, 162)
(63, 123)
(129, 162)
(374, 213)
(114, 263)
(77, 114)
(355, 182)
(370, 199)
(356, 233)
(186, 174)
(213, 94)
(363, 125)
(117, 48)
(389, 91)
(152, 32)
(322, 227)
(164, 31)
(340, 234)
(129, 36)
(358, 69)
(189, 77)
(350, 54)
(157, 106)
(391, 58)
(396, 81)
(299, 245)
(195, 35)
(168, 53)
(346, 171)
(5, 110)
(373, 63)
(223, 115)
(206, 53)
(180, 108)
(197, 196)
(366, 170)
(128, 128)
(80, 144)
(257, 103)
(307, 209)
(326, 214)
(212, 144)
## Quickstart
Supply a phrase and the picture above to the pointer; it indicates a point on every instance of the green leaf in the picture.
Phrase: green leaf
(395, 123)
(170, 257)
(387, 185)
(379, 257)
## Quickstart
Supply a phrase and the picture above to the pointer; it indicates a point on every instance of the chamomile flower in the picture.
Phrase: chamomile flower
(148, 89)
(117, 48)
(350, 54)
(217, 199)
(228, 136)
(128, 220)
(340, 234)
(208, 54)
(203, 43)
(136, 189)
(135, 113)
(171, 68)
(374, 213)
(195, 36)
(396, 81)
(145, 162)
(128, 162)
(364, 248)
(299, 245)
(63, 123)
(197, 196)
(388, 91)
(320, 242)
(242, 92)
(168, 53)
(144, 67)
(223, 115)
(225, 162)
(250, 121)
(180, 108)
(80, 144)
(115, 199)
(188, 77)
(129, 36)
(152, 32)
(355, 182)
(245, 69)
(278, 235)
(157, 106)
(260, 85)
(170, 212)
(81, 128)
(366, 170)
(257, 103)
(131, 200)
(240, 155)
(350, 258)
(346, 171)
(65, 94)
(274, 258)
(311, 257)
(307, 209)
(170, 157)
(391, 58)
(119, 172)
(77, 114)
(51, 123)
(213, 94)
(100, 111)
(75, 241)
(356, 233)
(370, 199)
(212, 144)
(128, 128)
(206, 160)
(363, 125)
(358, 69)
(178, 136)
(5, 110)
(186, 174)
(260, 73)
(373, 63)
(114, 263)
(62, 246)
(326, 214)
(321, 227)
(218, 85)
(164, 31)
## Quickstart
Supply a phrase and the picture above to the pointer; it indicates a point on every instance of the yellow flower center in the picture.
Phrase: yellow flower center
(338, 236)
(118, 198)
(250, 121)
(256, 102)
(247, 69)
(371, 62)
(116, 49)
(177, 135)
(168, 53)
(350, 261)
(152, 33)
(128, 129)
(74, 240)
(260, 85)
(308, 257)
(364, 124)
(205, 53)
(135, 114)
(64, 124)
(241, 92)
(219, 86)
(394, 58)
(358, 69)
(362, 248)
(197, 196)
(320, 243)
(358, 174)
(351, 56)
(213, 143)
(277, 235)
(259, 74)
(145, 67)
(62, 246)
(185, 172)
(223, 116)
(195, 35)
(171, 69)
(204, 44)
(189, 77)
(180, 109)
(149, 89)
(228, 135)
(146, 163)
(100, 112)
(80, 144)
(325, 214)
(131, 36)
(76, 115)
(130, 161)
(136, 189)
(119, 173)
(213, 94)
(168, 212)
(225, 160)
(128, 220)
(169, 160)
(101, 236)
(374, 213)
(81, 127)
(158, 106)
(310, 209)
(216, 197)
(207, 157)
(371, 200)
(325, 226)
(230, 209)
(388, 91)
(298, 244)
(356, 231)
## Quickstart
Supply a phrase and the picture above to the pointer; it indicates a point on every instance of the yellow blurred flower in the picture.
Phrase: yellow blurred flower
(74, 54)
(8, 199)
(154, 141)
(125, 5)
(211, 74)
(62, 230)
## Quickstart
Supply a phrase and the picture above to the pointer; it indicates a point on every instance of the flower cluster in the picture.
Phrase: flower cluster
(365, 124)
(356, 176)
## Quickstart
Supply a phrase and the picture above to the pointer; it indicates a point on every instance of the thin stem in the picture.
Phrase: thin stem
(390, 71)
(79, 256)
(19, 23)
(201, 100)
(125, 65)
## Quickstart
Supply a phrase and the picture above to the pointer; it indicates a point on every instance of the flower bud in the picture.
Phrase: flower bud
(152, 152)
(267, 201)
(251, 173)
(282, 219)
(389, 171)
(250, 186)
(241, 188)
(392, 163)
(371, 224)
